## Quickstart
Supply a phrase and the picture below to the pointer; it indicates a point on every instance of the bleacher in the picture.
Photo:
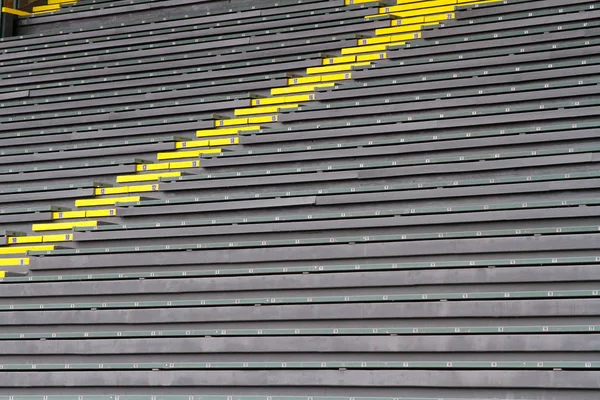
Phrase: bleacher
(300, 200)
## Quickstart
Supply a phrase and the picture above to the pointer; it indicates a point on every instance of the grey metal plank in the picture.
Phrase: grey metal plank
(68, 173)
(14, 95)
(340, 224)
(214, 207)
(320, 379)
(257, 181)
(48, 195)
(442, 311)
(325, 252)
(89, 153)
(399, 280)
(172, 128)
(26, 217)
(317, 344)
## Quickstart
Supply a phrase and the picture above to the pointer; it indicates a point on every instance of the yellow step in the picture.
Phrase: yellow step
(226, 131)
(84, 214)
(390, 38)
(186, 154)
(418, 5)
(184, 164)
(105, 201)
(61, 226)
(371, 57)
(13, 262)
(111, 212)
(283, 100)
(170, 166)
(2, 274)
(246, 121)
(224, 142)
(334, 68)
(48, 8)
(421, 12)
(68, 214)
(339, 60)
(205, 143)
(263, 110)
(320, 78)
(126, 189)
(192, 143)
(350, 2)
(146, 177)
(299, 89)
(13, 11)
(41, 239)
(24, 249)
(152, 167)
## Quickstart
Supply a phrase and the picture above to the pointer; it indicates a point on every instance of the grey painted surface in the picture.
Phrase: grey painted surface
(273, 379)
(568, 272)
(313, 344)
(404, 311)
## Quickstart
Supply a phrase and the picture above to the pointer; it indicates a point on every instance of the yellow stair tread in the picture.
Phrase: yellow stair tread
(62, 225)
(263, 110)
(283, 100)
(13, 262)
(25, 249)
(186, 154)
(126, 189)
(41, 239)
(320, 78)
(105, 201)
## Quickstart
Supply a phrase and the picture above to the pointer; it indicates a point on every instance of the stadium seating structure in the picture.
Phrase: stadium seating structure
(300, 200)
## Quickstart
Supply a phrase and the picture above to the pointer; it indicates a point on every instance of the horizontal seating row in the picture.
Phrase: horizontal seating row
(306, 269)
(314, 300)
(308, 365)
